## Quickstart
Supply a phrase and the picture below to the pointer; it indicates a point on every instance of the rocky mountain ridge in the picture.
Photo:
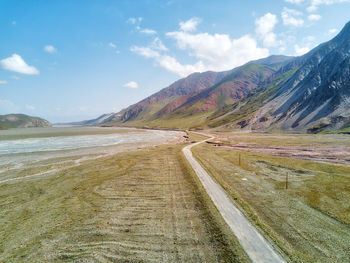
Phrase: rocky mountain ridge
(310, 93)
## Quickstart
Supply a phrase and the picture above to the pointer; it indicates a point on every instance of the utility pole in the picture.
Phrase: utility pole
(239, 159)
(287, 180)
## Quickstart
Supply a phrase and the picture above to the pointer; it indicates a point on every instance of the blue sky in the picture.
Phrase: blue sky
(72, 60)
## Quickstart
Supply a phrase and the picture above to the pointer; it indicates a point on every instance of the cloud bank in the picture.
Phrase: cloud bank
(264, 29)
(216, 52)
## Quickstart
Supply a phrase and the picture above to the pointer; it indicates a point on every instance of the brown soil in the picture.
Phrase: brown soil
(333, 154)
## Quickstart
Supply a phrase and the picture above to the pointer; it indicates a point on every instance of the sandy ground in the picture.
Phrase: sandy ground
(326, 148)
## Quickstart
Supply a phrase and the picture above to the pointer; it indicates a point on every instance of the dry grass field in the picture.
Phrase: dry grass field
(309, 221)
(140, 206)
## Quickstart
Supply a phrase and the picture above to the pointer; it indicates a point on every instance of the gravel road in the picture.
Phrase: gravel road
(254, 244)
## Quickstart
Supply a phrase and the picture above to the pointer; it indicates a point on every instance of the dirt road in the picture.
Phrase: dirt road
(254, 244)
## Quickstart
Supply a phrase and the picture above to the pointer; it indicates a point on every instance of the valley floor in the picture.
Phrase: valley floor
(143, 202)
(138, 206)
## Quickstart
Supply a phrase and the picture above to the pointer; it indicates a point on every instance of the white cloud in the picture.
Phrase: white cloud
(146, 52)
(50, 49)
(270, 40)
(218, 51)
(134, 20)
(152, 50)
(282, 49)
(304, 45)
(309, 39)
(148, 31)
(112, 45)
(168, 62)
(30, 107)
(15, 77)
(3, 82)
(314, 17)
(333, 31)
(131, 20)
(264, 29)
(137, 22)
(265, 24)
(301, 50)
(316, 3)
(17, 64)
(190, 25)
(295, 2)
(291, 17)
(172, 65)
(131, 85)
(158, 45)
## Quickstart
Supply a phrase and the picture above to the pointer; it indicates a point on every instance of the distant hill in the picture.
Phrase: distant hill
(183, 88)
(21, 121)
(94, 122)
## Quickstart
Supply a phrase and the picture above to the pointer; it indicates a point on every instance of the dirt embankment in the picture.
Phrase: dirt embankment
(330, 150)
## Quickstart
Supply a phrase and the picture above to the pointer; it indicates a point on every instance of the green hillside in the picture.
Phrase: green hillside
(21, 121)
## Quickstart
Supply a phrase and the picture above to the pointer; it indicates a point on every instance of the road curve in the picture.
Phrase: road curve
(254, 244)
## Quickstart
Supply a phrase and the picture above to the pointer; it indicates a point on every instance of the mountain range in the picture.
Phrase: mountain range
(310, 93)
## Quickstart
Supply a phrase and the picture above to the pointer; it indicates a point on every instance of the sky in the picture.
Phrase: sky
(70, 60)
